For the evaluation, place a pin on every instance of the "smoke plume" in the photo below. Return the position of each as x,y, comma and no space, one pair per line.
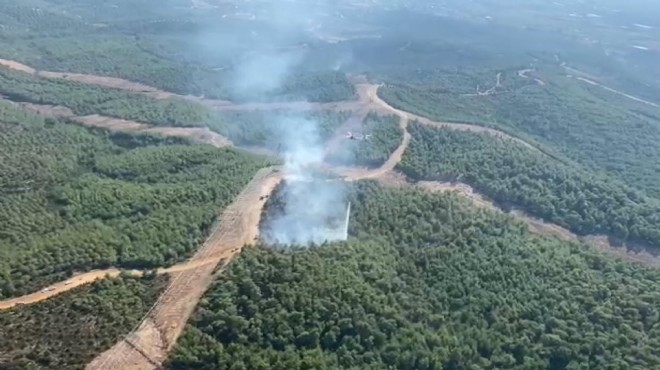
313,211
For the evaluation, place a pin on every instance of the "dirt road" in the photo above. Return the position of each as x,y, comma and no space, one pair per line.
524,73
147,346
89,277
592,80
639,100
197,134
367,100
371,91
136,87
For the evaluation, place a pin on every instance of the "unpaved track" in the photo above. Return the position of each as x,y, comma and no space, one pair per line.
524,73
639,100
89,277
198,134
147,346
371,91
367,100
136,87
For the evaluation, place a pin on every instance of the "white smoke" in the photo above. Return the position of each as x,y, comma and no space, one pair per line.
264,73
314,212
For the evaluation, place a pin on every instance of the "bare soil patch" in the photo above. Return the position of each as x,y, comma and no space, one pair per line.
17,66
148,345
110,82
48,110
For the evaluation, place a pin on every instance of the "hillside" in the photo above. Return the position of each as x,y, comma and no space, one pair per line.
573,119
75,199
428,282
66,332
501,173
513,175
169,46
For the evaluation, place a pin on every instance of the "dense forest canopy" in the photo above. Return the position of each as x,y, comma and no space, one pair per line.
426,282
68,331
84,99
575,120
512,174
136,41
272,128
75,199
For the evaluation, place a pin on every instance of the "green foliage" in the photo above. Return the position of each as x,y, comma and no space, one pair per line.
123,57
86,99
581,122
510,173
429,283
74,200
272,129
386,135
316,87
68,331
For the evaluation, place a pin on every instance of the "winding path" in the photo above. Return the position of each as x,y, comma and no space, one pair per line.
591,80
368,100
149,343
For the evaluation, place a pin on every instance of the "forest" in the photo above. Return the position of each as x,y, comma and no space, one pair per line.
75,199
513,175
147,44
68,331
385,136
426,281
571,119
86,99
272,128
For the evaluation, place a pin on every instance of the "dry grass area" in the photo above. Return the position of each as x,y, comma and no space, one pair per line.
625,251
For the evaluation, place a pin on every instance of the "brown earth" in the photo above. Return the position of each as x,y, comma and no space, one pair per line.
147,346
197,134
17,66
89,277
640,100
